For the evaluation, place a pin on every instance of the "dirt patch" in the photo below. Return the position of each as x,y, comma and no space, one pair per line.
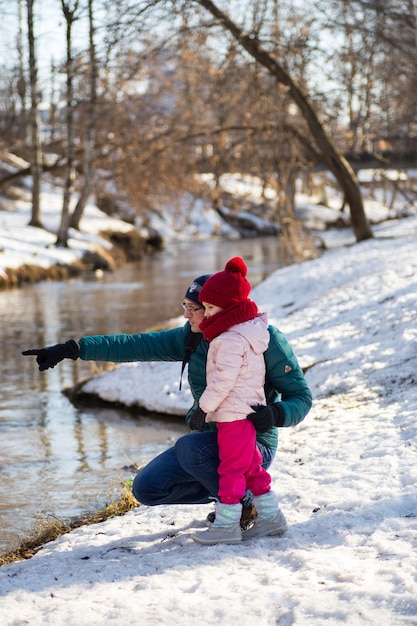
133,245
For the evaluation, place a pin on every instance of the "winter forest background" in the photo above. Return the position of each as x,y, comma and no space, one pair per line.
148,104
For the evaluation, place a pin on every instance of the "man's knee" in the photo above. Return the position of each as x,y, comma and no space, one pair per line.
140,490
182,444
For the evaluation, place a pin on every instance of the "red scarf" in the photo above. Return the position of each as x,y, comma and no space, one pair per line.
223,320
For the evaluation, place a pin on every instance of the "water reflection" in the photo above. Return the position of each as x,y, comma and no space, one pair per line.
56,459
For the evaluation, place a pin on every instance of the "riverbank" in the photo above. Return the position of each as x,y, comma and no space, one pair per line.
103,243
29,255
345,479
49,528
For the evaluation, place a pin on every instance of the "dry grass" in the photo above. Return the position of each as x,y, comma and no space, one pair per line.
50,528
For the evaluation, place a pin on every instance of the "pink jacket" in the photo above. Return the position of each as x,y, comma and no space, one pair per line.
236,371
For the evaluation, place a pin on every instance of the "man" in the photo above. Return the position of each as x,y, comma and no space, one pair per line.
187,473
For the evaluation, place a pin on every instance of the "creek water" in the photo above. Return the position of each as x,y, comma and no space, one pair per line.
58,460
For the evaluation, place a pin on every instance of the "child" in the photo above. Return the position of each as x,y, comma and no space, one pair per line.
238,337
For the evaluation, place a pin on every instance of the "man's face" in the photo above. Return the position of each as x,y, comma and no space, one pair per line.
194,313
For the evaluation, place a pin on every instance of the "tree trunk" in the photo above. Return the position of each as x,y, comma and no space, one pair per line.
91,127
36,161
21,82
336,163
62,239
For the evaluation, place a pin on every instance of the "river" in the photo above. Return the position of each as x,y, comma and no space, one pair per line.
57,460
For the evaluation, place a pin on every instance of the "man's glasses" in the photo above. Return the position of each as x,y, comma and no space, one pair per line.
191,309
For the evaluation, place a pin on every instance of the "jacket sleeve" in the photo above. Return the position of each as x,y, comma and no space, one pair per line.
285,380
164,345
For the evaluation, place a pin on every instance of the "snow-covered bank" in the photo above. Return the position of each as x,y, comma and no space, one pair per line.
21,244
346,479
24,246
188,219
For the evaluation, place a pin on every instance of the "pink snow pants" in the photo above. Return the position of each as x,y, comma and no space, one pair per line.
240,462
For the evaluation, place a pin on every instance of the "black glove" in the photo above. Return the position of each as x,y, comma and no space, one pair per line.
198,420
266,417
49,357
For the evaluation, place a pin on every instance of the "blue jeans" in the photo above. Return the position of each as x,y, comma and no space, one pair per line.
185,473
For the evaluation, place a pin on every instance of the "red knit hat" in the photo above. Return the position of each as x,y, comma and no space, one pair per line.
228,287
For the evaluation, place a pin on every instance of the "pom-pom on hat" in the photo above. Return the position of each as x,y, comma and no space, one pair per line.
195,288
228,287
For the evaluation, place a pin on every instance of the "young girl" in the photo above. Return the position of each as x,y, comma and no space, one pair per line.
238,337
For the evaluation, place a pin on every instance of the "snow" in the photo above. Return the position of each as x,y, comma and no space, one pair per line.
21,244
189,218
345,476
121,385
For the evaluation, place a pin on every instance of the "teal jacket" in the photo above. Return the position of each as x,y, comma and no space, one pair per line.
284,380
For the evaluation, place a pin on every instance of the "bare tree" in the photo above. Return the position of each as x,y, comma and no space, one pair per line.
220,101
336,163
374,66
36,159
21,80
89,146
69,10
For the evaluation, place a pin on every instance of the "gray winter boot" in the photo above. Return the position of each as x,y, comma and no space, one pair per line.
270,520
225,528
246,519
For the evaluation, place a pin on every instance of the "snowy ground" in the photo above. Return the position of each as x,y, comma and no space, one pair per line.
345,477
